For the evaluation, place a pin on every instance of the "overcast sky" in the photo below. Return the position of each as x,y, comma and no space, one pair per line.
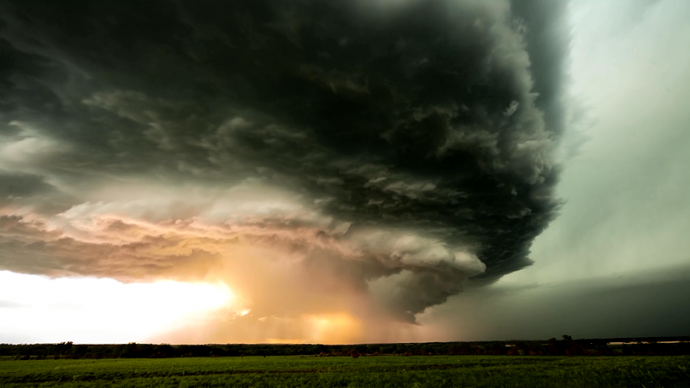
343,171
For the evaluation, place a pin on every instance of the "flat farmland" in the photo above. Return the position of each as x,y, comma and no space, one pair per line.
379,371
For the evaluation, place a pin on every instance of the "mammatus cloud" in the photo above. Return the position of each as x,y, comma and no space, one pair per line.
316,155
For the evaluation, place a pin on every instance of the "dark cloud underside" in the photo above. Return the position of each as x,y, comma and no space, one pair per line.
435,119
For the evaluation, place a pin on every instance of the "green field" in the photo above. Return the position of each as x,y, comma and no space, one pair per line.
382,371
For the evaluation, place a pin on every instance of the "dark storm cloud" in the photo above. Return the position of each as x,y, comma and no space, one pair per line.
431,119
22,185
548,45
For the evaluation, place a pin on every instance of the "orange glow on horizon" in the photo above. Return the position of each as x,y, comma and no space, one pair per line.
334,328
282,341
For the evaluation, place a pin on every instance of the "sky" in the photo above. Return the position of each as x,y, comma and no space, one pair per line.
343,172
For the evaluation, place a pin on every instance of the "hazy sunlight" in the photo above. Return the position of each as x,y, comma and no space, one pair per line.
90,310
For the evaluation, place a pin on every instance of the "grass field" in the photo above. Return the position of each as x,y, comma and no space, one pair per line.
382,371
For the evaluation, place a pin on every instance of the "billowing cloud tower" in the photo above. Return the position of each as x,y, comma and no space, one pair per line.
318,155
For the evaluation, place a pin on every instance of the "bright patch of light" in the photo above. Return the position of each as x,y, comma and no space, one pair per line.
333,328
88,310
285,341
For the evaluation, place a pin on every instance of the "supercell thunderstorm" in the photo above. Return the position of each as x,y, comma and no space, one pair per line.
396,151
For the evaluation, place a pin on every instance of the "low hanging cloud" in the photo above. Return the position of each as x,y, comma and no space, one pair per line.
336,153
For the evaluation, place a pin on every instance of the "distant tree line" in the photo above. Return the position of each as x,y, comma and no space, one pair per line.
553,347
